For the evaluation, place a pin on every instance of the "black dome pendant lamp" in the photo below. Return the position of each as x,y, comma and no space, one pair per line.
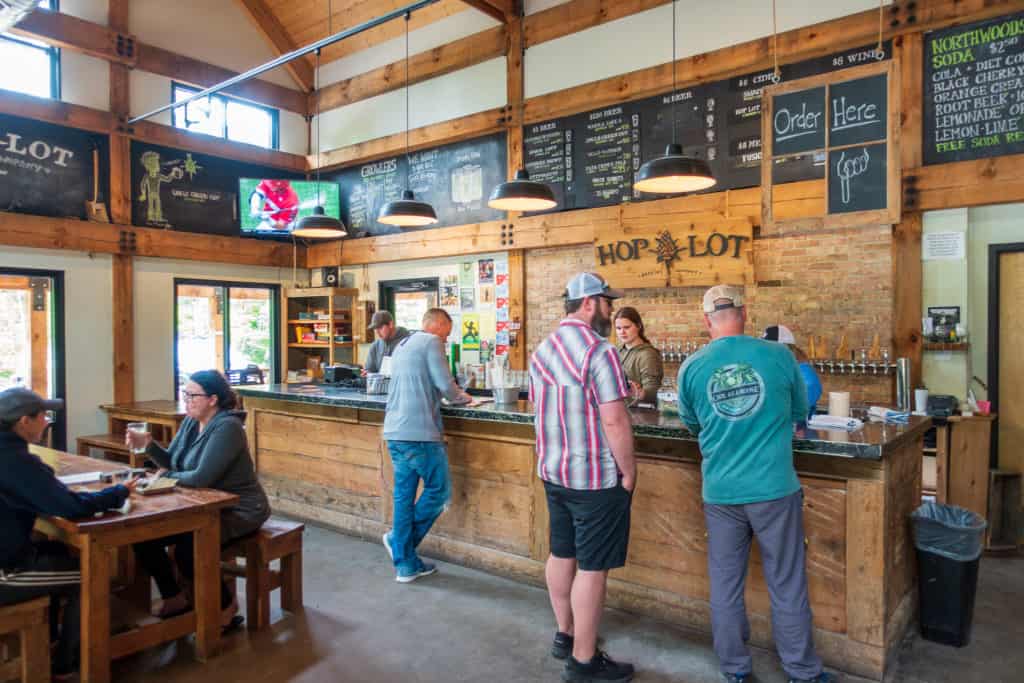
674,173
407,212
319,225
522,194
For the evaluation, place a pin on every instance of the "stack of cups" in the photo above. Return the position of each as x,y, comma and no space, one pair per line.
839,403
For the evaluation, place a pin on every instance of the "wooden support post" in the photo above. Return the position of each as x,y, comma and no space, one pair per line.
124,329
907,279
517,307
515,95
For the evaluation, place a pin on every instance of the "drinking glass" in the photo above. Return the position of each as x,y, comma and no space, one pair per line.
136,433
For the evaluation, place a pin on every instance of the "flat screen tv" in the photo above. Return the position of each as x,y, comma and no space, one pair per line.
273,206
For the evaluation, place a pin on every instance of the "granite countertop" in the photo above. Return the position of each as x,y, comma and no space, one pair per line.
870,442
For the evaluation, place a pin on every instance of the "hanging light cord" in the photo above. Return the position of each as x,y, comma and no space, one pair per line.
776,75
674,123
879,54
408,161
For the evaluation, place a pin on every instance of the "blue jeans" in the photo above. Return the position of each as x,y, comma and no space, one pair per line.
412,461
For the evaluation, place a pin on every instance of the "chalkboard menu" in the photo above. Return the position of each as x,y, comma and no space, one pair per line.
47,169
590,159
455,179
857,179
181,190
974,91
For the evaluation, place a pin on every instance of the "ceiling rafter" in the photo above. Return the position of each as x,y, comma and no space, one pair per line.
501,10
275,34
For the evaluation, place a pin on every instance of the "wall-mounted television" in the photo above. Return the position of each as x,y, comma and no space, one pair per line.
273,206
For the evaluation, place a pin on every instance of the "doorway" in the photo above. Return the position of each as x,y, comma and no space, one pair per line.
1006,363
408,300
32,339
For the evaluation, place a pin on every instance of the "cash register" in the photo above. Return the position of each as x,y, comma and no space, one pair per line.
344,375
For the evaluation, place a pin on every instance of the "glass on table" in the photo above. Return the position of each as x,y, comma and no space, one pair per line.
137,433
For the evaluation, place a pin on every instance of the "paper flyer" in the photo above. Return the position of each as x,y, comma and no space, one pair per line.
470,332
467,274
468,300
488,324
486,268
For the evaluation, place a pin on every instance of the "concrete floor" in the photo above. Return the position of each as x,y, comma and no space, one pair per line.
464,625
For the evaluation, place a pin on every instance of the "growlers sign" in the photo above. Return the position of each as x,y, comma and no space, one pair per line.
702,252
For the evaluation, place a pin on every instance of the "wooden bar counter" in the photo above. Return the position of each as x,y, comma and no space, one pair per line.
320,456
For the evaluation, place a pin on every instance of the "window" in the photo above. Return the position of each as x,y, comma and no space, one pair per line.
31,338
408,300
225,326
226,117
38,64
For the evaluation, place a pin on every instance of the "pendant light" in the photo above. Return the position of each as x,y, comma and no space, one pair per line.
319,225
407,212
522,194
674,173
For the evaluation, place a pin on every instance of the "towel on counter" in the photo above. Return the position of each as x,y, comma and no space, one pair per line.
883,414
850,424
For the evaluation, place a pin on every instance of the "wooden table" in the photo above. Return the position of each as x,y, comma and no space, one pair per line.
167,414
151,517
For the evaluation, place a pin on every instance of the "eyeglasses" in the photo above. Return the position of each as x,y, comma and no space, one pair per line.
186,396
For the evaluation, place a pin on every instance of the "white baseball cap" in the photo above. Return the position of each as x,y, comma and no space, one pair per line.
589,284
733,293
779,333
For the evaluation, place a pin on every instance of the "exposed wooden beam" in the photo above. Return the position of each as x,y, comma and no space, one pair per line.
272,30
42,232
97,121
120,199
577,15
997,180
124,328
907,283
441,60
118,12
903,17
72,33
502,10
463,128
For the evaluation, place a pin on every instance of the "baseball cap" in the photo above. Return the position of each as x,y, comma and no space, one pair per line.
589,284
18,402
779,333
731,292
381,318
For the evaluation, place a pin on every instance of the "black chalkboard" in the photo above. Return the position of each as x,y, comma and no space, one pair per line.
798,121
589,159
974,91
455,179
182,190
858,111
47,169
857,179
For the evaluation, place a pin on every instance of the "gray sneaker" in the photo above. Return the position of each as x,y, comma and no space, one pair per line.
739,678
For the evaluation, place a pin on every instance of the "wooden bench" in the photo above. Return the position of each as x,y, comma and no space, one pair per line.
113,446
278,539
30,620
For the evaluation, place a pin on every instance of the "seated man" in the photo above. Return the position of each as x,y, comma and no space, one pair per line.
29,488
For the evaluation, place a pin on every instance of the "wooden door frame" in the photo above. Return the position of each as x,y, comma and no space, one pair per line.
995,252
60,425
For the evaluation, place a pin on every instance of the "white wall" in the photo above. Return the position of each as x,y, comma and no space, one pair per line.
154,314
945,283
88,316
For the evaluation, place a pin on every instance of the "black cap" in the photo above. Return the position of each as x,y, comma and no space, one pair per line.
17,402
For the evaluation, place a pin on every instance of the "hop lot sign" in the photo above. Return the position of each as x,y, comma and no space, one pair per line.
698,252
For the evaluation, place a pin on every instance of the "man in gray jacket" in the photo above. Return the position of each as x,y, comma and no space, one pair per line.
388,337
413,431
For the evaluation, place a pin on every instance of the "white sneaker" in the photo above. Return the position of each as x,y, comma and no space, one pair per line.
426,570
386,538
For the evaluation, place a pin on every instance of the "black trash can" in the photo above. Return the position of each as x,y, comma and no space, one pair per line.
949,542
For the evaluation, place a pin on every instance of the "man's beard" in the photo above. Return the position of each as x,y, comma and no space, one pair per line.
601,324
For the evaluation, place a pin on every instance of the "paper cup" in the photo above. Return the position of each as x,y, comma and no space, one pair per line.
921,401
839,403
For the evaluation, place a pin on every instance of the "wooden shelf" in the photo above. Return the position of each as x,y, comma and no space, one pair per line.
309,345
946,346
309,322
930,451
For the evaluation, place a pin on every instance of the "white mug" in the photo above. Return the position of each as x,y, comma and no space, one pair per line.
921,401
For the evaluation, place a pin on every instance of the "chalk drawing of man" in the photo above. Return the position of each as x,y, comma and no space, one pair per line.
150,186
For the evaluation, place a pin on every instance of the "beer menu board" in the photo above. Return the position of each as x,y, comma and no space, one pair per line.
974,91
590,159
455,179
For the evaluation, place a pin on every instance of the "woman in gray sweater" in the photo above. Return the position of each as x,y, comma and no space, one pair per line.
209,451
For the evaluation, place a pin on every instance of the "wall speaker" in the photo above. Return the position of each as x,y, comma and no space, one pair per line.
330,276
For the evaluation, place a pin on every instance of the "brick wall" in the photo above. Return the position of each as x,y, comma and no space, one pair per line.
825,284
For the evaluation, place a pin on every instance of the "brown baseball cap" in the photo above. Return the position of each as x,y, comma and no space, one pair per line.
380,319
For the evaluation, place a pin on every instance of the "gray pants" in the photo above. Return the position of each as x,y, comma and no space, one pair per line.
779,527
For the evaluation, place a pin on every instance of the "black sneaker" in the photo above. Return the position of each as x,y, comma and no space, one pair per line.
739,678
600,668
823,677
561,646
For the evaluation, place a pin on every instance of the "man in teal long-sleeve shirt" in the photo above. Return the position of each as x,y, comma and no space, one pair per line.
741,396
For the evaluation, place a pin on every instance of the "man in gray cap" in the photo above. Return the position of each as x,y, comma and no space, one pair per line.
29,488
586,461
741,396
388,337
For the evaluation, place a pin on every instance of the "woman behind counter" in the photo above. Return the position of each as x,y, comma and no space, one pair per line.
209,451
640,360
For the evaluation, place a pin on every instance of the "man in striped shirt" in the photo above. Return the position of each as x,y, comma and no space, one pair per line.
585,458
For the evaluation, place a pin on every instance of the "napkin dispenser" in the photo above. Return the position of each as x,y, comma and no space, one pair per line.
942,405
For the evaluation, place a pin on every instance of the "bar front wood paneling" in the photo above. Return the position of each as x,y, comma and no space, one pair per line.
861,573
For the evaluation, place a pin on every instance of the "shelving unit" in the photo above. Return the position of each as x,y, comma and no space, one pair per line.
946,346
318,328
